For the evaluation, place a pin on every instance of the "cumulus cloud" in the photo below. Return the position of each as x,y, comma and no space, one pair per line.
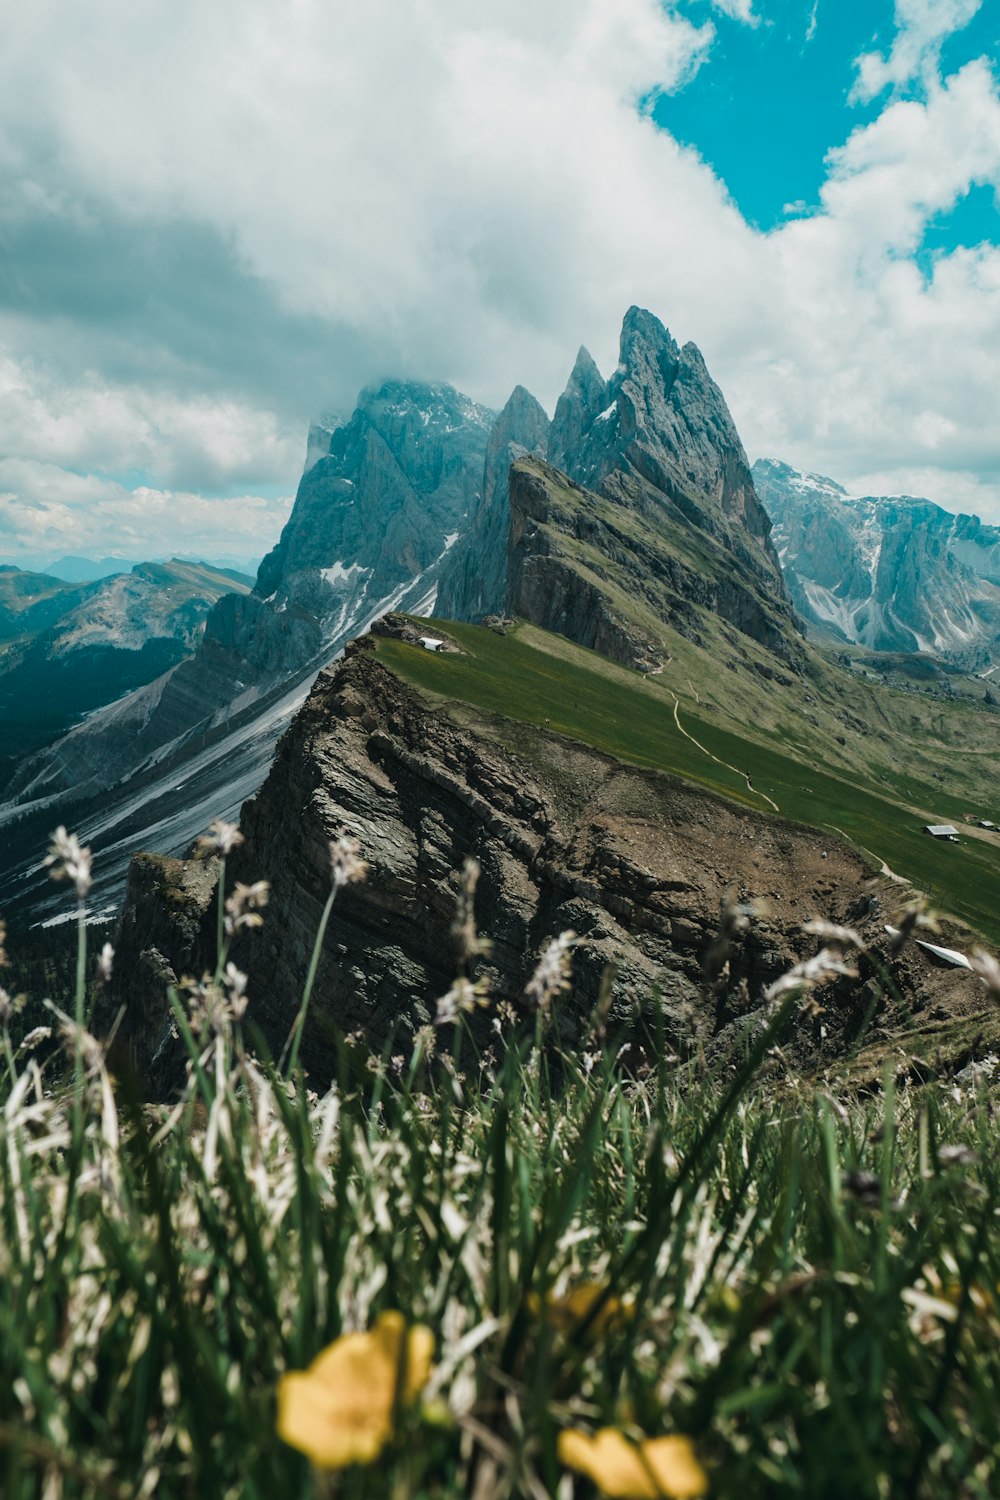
222,218
46,510
923,26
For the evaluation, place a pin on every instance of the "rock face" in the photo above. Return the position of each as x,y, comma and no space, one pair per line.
475,580
648,521
634,862
616,572
897,574
657,442
373,523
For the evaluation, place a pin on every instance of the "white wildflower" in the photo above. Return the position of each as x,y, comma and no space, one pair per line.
463,924
236,988
835,935
105,963
986,966
823,966
243,907
462,999
35,1037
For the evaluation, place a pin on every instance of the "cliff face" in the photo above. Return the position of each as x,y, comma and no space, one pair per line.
656,444
893,574
618,571
475,578
384,499
634,862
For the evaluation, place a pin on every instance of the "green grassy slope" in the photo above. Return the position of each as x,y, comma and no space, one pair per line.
534,678
892,741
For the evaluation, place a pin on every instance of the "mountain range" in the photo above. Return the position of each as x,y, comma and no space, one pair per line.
642,683
894,574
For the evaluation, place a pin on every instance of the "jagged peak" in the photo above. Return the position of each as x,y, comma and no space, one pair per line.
643,331
400,397
585,374
521,400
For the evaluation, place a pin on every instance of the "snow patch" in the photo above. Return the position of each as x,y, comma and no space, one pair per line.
338,574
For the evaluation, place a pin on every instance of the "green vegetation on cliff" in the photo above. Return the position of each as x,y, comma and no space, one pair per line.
532,677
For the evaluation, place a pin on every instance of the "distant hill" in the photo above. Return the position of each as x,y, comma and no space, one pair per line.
67,649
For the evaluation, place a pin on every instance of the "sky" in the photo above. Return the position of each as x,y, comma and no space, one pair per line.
217,221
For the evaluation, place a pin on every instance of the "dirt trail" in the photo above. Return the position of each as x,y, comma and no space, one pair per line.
735,769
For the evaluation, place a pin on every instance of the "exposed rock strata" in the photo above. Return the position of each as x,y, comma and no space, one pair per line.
579,563
636,863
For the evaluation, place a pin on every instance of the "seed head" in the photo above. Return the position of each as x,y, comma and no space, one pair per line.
825,965
463,924
552,974
244,905
986,966
221,839
105,963
236,988
346,864
835,935
461,999
67,861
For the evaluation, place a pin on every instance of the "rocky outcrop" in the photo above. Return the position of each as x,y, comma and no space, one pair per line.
656,441
635,863
594,567
893,574
663,418
165,933
475,581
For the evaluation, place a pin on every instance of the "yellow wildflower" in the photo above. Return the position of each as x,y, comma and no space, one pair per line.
571,1310
654,1469
340,1410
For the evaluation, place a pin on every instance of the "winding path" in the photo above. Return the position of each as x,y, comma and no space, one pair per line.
718,762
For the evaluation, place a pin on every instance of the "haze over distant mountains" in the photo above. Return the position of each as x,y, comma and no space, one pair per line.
75,569
892,573
68,648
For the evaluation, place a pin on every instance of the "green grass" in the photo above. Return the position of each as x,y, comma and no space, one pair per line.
804,1289
534,679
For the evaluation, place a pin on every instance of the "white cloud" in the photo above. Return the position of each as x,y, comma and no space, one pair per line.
463,194
45,509
923,26
114,428
739,10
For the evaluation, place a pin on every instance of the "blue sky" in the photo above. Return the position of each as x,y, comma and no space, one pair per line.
468,193
776,96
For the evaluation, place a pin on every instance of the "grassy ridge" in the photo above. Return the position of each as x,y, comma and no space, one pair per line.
574,692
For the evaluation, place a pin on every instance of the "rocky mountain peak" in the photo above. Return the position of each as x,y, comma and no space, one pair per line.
579,406
648,357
